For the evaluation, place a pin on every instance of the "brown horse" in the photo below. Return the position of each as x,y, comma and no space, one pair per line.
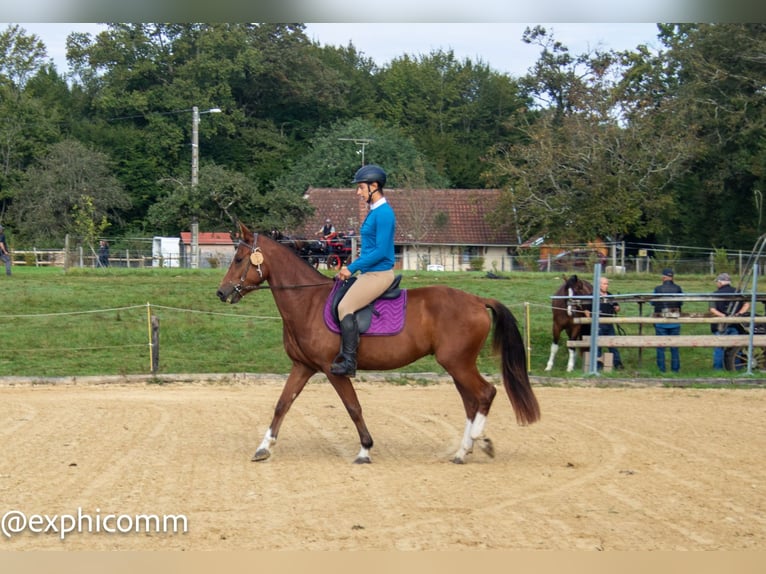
448,323
565,309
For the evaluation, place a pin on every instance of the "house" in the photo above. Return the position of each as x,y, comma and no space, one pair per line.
216,249
442,228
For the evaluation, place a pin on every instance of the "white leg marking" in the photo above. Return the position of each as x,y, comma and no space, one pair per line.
554,350
571,362
267,441
363,456
466,444
477,428
264,449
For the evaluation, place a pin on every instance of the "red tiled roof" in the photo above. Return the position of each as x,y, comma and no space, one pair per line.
432,216
207,238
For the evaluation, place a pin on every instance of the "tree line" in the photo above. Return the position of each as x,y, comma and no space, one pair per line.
662,145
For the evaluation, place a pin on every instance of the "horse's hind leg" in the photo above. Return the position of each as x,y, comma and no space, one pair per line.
295,383
477,395
347,394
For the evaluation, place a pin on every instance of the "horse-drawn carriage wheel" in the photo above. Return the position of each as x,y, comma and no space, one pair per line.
334,262
735,358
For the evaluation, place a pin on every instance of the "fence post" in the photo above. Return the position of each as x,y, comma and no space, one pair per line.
155,344
527,335
753,302
151,336
594,316
66,252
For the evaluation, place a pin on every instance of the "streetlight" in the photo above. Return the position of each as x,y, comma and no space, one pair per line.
195,179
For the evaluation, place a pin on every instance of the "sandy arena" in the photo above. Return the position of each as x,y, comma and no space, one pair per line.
606,468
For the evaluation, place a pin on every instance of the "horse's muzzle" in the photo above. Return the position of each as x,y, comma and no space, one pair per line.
228,294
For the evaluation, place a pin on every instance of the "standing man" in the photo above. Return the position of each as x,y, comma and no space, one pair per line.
103,254
375,264
5,254
667,309
607,308
722,308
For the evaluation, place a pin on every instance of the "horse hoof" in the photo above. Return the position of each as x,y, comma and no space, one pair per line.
362,460
486,445
458,460
260,454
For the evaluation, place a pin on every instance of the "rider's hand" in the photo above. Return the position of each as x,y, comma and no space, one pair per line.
343,273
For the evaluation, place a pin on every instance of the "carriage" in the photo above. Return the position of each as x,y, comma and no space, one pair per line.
334,252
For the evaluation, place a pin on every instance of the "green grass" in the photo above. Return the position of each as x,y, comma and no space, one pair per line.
94,322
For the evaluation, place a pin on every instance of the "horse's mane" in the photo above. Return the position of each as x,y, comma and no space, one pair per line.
291,247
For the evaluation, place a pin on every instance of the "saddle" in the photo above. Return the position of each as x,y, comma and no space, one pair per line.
384,316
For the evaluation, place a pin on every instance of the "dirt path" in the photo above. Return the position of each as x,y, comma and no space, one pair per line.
611,469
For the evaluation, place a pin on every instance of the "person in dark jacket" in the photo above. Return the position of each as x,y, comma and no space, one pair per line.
607,308
5,255
722,308
668,309
103,254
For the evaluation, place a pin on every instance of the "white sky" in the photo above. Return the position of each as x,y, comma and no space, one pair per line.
497,45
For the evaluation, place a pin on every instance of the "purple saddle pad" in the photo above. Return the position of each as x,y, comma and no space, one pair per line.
387,318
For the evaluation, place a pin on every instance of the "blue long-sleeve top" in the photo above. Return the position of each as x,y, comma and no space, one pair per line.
377,234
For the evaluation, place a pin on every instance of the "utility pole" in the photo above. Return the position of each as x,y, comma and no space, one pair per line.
362,142
195,180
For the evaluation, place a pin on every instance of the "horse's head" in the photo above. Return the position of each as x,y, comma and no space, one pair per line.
576,286
248,269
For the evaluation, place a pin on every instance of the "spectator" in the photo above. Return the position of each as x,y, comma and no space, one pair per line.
722,308
607,308
103,254
666,310
5,254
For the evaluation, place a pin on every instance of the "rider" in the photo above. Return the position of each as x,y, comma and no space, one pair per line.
375,264
327,231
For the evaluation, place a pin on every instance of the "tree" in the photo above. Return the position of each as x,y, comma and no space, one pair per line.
28,123
454,111
21,55
70,178
335,156
580,170
715,75
222,197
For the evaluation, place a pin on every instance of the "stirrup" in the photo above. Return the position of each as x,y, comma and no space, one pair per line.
343,365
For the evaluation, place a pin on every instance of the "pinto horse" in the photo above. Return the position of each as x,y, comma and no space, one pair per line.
448,323
564,313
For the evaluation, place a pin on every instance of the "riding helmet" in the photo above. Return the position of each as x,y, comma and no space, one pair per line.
370,173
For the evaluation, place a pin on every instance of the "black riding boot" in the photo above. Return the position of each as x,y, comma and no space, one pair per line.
345,362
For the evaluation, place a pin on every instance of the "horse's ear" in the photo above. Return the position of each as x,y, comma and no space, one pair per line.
244,230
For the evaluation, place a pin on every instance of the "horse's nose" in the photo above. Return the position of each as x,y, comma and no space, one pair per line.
221,295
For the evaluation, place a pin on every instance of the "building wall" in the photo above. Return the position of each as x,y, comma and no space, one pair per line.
455,258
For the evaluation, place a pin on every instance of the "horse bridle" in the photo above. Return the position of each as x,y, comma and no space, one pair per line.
240,287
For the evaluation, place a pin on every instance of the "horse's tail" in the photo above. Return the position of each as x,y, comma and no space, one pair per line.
508,342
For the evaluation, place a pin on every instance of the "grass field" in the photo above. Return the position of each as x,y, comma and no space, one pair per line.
95,322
